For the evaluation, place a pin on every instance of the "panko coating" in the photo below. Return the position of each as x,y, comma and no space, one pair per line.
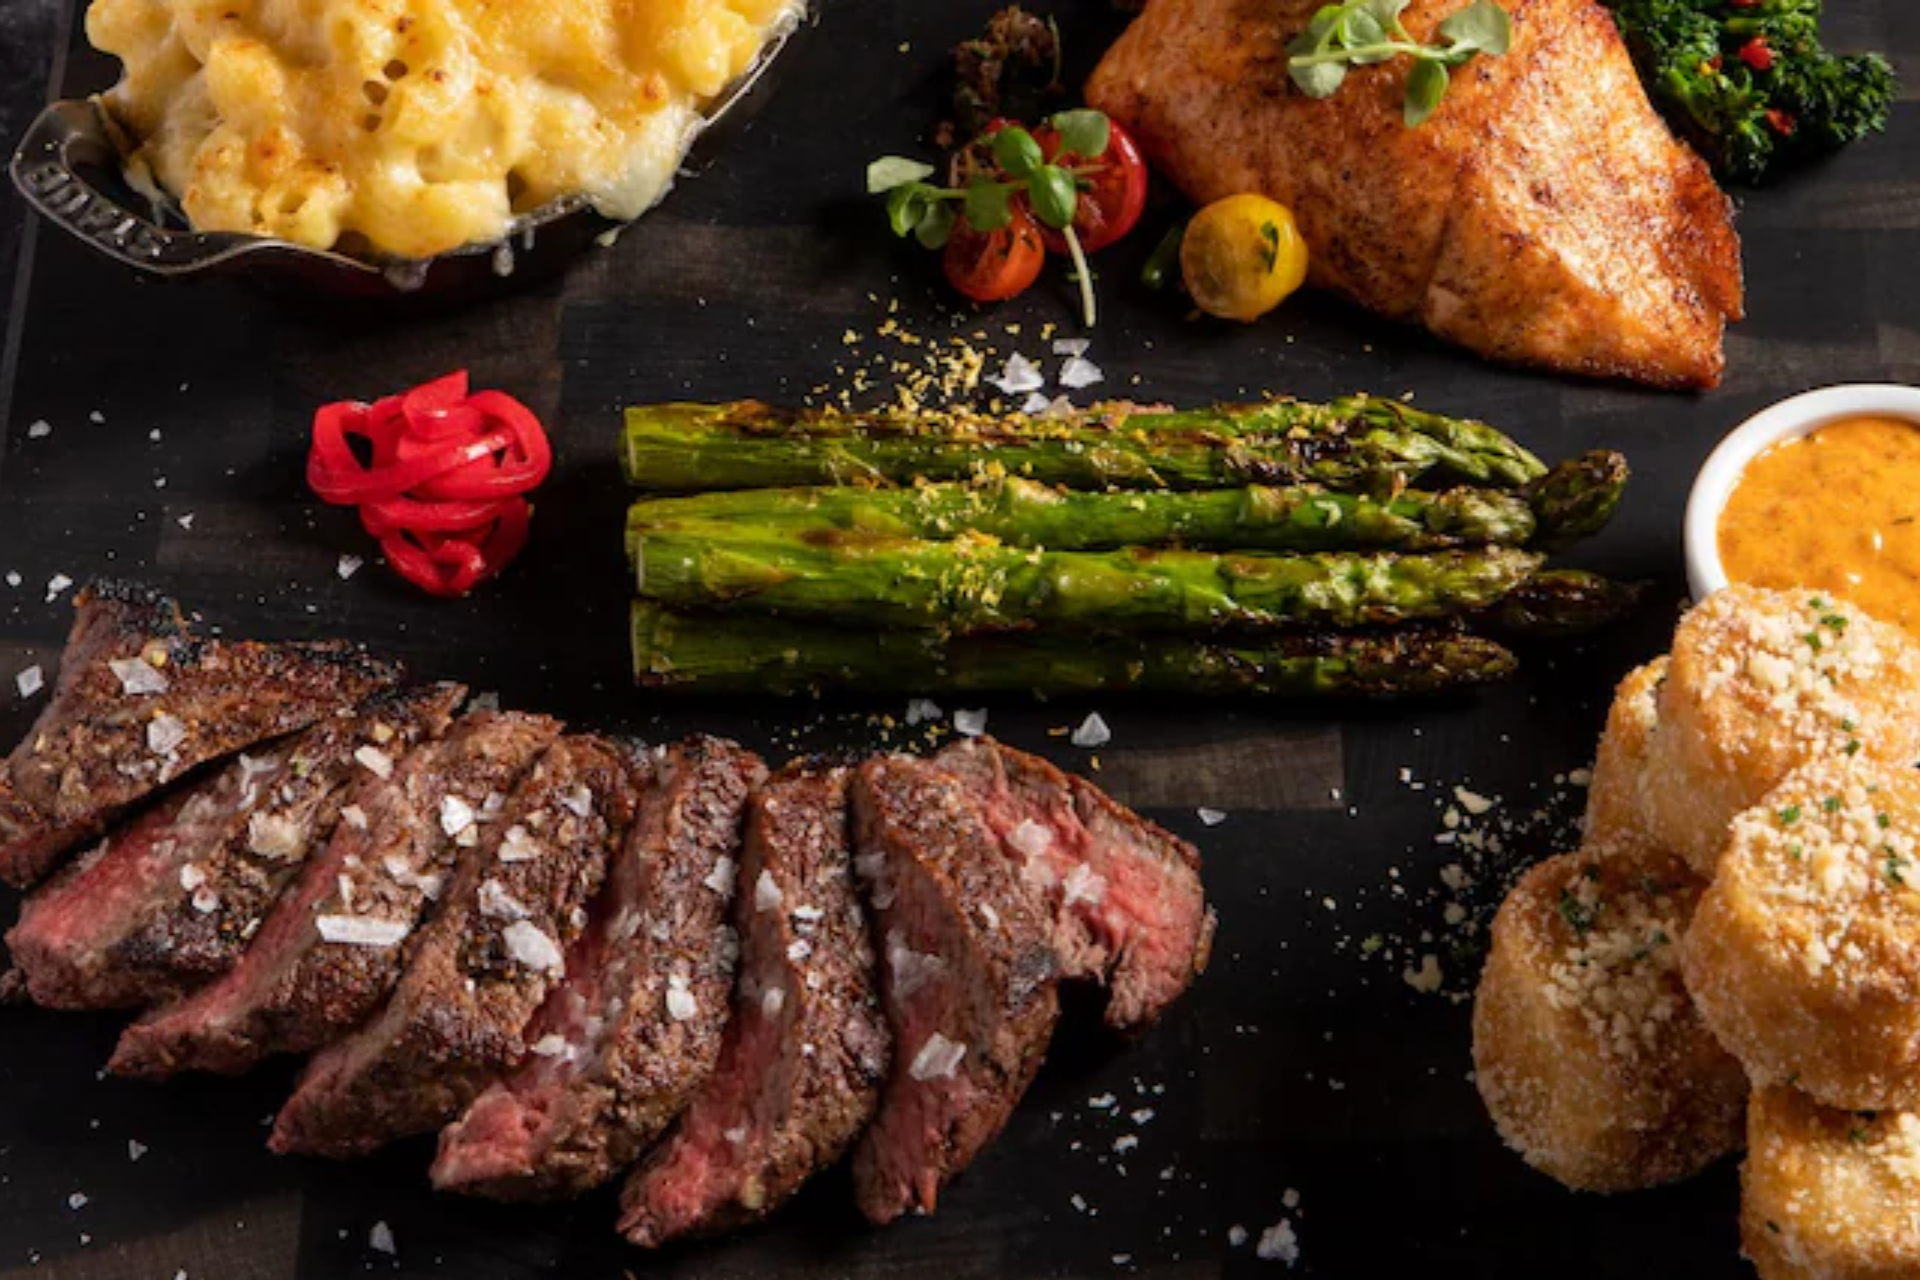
1613,816
1829,1195
1804,956
1586,1049
1758,683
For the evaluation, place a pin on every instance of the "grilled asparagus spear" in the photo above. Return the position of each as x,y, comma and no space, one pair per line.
1577,498
1355,444
973,585
1025,514
1559,602
704,654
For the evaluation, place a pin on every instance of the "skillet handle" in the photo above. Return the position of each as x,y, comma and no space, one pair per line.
48,171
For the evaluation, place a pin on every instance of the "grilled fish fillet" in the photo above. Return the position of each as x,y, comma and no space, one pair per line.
1544,215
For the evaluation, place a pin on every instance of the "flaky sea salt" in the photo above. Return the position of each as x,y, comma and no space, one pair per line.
549,1046
1084,884
1211,817
456,815
721,879
354,816
1071,346
30,681
766,892
533,948
910,970
921,710
494,900
375,761
1278,1244
380,1239
138,677
578,802
165,733
681,1006
1030,838
275,836
938,1059
348,566
518,846
970,723
39,429
1078,372
362,931
1035,403
58,583
1020,375
1093,732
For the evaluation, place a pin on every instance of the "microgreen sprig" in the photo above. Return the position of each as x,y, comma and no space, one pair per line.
1359,33
928,211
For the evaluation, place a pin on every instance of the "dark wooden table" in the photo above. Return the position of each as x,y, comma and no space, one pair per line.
1303,1079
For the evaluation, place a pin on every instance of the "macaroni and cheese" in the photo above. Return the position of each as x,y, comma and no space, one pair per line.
411,127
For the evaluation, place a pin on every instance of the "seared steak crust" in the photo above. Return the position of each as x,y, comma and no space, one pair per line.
480,968
632,1034
336,943
170,901
1124,894
967,982
141,700
800,1071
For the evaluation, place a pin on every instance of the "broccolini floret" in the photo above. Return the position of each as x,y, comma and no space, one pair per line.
1749,83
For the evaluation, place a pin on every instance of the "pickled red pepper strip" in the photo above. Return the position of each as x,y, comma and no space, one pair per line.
439,475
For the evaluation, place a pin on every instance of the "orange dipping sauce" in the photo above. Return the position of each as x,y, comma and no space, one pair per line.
1838,511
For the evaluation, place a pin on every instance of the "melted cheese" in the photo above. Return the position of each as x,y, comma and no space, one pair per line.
413,127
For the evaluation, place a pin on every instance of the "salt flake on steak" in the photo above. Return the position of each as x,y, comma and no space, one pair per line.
1085,885
361,931
910,969
533,948
1093,732
938,1059
456,815
274,836
766,892
579,802
681,1006
165,733
721,879
517,846
495,901
375,761
138,677
1030,838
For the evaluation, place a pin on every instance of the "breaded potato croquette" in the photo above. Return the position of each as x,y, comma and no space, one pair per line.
1804,957
1829,1195
1614,818
1758,683
1586,1049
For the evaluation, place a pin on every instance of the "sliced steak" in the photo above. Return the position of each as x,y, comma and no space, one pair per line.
170,901
336,942
967,984
800,1071
1124,895
142,699
622,1046
480,968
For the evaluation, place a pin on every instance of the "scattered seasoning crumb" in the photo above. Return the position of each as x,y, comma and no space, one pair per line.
135,1150
1018,375
13,577
97,418
1037,402
30,681
1211,817
1071,346
971,723
922,710
380,1239
39,429
185,521
1278,1243
1236,1235
1427,978
1473,802
1093,732
1290,1198
348,566
56,584
78,1200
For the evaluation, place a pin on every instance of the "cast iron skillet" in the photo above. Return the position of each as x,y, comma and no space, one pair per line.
69,169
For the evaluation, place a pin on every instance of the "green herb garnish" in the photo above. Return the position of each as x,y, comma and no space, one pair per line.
1579,914
1359,33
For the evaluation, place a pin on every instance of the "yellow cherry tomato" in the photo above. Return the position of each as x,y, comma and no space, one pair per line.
1242,256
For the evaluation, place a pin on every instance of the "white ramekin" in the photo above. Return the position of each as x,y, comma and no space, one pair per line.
1788,420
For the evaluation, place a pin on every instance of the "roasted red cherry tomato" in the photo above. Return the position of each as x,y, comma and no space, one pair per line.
1117,196
993,266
